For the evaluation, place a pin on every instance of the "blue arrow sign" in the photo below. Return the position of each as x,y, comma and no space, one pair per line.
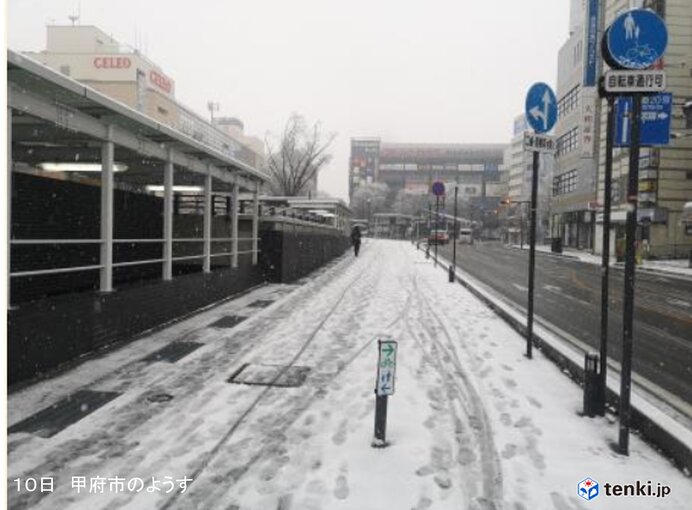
635,40
654,125
541,108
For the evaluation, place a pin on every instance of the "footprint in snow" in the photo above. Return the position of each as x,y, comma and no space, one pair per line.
341,490
423,503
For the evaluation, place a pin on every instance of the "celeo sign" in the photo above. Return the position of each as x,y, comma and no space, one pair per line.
635,40
160,81
112,63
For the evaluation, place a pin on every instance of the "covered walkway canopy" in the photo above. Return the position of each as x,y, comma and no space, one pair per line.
60,128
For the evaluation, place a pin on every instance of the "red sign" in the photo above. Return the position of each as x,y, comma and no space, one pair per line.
112,62
160,81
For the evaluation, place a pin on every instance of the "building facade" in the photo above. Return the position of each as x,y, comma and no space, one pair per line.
89,55
665,173
519,168
411,168
573,204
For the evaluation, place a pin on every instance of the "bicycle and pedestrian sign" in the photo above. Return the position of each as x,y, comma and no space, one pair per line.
386,367
635,40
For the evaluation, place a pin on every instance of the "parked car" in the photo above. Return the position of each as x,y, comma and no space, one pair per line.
438,237
465,236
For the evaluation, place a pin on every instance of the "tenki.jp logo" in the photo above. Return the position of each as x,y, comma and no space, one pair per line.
588,489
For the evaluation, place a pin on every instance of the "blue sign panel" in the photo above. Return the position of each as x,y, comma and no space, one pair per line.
541,108
636,40
654,125
591,54
438,188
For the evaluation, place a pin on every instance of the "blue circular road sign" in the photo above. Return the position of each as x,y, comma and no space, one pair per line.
635,40
541,108
438,188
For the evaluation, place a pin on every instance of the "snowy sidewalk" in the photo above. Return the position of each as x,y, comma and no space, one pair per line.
473,423
669,267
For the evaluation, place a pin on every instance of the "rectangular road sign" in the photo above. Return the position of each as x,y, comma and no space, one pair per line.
654,126
539,143
629,82
386,367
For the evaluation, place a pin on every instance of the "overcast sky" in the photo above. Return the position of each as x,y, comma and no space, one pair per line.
450,71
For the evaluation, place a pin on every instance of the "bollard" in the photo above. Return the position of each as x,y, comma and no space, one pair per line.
451,274
427,251
690,262
591,384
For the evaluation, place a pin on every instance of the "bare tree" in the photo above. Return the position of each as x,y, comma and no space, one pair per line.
297,156
408,202
369,199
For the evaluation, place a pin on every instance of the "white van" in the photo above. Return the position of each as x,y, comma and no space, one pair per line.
465,236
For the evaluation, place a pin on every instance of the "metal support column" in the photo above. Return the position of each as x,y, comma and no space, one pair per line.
605,259
628,298
234,226
9,205
168,220
106,260
255,224
532,254
207,223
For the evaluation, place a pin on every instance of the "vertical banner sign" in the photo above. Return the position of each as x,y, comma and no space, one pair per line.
589,93
589,96
591,37
386,367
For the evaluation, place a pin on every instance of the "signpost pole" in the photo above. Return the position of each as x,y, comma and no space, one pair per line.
521,225
532,253
628,301
453,268
427,244
380,418
437,224
605,259
384,386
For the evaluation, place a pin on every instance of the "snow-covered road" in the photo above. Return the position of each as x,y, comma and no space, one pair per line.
473,423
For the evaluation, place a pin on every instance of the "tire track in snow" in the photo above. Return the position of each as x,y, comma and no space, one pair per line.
449,363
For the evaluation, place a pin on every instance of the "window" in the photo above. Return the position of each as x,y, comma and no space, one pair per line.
568,142
565,183
568,103
161,110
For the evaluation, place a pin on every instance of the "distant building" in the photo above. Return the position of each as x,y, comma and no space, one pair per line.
519,168
89,55
415,166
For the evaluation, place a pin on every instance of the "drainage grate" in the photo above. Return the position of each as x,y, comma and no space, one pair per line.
268,375
173,352
261,303
62,414
228,321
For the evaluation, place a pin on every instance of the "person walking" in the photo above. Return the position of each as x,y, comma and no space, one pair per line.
355,239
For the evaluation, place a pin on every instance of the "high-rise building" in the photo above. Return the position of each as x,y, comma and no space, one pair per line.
574,181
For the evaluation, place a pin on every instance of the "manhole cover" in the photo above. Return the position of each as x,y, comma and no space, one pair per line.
261,303
62,414
173,352
159,397
270,375
228,321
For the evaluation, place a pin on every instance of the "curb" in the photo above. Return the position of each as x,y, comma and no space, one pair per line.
643,414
